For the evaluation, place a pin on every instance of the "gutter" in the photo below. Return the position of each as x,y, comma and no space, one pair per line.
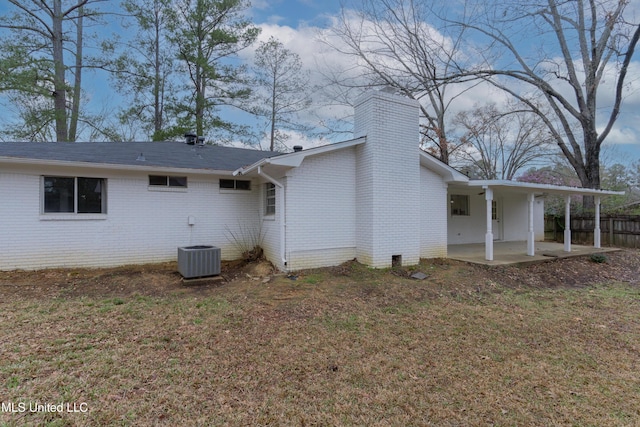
258,165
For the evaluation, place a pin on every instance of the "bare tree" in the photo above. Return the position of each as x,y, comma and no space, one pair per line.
554,56
282,89
394,45
500,143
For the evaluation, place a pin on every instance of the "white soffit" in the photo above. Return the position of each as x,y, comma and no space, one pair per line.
528,187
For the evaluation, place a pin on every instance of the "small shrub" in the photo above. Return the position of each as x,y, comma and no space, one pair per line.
247,239
598,258
253,254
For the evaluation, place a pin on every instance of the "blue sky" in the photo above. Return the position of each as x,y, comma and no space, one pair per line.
294,13
295,21
297,24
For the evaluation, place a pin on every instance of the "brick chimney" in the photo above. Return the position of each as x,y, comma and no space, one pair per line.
387,180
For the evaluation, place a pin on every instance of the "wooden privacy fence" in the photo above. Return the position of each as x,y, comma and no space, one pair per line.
618,230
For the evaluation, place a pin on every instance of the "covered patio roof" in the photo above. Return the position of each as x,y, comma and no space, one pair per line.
539,189
532,191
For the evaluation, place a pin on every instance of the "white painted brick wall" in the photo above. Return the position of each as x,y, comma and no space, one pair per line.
387,180
472,228
140,226
321,211
538,219
513,217
433,215
516,214
272,225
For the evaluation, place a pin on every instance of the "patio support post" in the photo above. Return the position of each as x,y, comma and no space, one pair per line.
567,223
531,247
488,239
596,230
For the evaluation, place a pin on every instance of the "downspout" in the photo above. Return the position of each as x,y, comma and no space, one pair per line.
283,217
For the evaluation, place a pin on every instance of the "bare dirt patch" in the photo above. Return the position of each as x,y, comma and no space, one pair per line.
442,275
621,266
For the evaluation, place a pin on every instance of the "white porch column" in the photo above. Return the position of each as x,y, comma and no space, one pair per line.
488,239
531,246
567,223
596,230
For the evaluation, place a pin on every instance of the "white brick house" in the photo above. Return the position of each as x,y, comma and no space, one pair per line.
366,198
376,198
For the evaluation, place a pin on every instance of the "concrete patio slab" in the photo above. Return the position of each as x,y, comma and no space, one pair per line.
505,253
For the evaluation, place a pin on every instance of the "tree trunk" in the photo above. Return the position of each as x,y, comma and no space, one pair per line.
77,83
157,83
200,100
273,113
59,86
201,81
444,150
590,176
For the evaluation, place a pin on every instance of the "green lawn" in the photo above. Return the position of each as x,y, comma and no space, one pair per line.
366,348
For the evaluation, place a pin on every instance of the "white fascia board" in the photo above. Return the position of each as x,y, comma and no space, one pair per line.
294,160
247,169
541,188
112,166
449,174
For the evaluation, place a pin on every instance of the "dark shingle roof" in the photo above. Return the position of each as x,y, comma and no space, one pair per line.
158,154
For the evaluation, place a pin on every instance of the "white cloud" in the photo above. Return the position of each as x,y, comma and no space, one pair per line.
319,57
263,4
622,135
315,56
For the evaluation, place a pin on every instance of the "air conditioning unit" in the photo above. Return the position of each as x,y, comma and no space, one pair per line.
199,261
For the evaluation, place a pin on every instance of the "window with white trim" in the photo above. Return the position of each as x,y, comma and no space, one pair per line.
270,199
459,205
62,194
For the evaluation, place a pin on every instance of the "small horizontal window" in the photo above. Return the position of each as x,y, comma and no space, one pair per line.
177,181
235,184
168,181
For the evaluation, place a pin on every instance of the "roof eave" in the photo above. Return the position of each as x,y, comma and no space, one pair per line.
295,159
248,169
112,166
449,174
